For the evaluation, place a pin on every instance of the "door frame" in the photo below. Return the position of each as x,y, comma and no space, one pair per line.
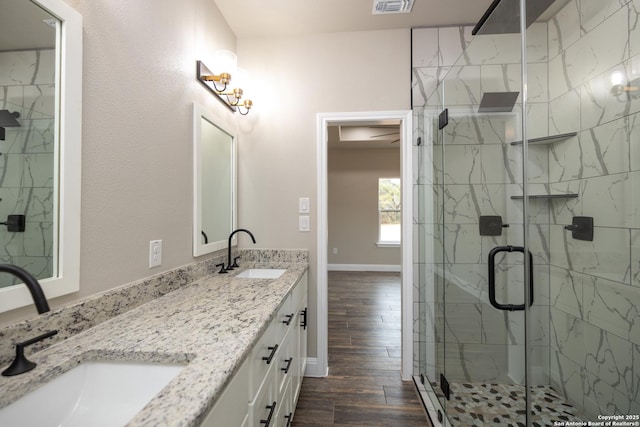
320,366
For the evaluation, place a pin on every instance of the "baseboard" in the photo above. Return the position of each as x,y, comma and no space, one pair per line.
364,267
314,369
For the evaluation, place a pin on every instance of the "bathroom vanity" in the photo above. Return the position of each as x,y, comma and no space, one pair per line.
242,342
271,376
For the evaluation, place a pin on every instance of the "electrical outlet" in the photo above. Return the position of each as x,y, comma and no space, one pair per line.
335,251
155,253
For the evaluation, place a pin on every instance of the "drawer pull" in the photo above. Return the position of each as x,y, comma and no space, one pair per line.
271,409
304,318
289,319
269,358
286,370
288,418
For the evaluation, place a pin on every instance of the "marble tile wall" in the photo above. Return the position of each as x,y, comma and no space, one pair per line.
27,160
594,288
586,313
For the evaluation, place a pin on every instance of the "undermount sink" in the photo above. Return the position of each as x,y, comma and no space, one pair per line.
262,273
97,394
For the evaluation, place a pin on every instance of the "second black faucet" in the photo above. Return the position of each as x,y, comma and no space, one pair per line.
232,264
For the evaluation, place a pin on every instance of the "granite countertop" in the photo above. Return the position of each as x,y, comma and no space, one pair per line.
210,324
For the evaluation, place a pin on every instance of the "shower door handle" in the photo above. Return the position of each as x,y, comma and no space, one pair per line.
492,278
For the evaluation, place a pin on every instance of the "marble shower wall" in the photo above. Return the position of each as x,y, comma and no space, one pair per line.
595,286
587,293
27,160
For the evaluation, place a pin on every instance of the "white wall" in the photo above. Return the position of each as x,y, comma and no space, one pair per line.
298,78
353,205
139,85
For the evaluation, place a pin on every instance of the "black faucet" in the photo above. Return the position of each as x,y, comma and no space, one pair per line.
229,261
32,284
20,364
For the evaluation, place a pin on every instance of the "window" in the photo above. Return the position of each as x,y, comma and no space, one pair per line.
389,211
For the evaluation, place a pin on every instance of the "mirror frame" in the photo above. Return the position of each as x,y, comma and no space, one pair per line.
200,248
68,158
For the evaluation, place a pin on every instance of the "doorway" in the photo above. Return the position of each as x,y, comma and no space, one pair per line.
324,122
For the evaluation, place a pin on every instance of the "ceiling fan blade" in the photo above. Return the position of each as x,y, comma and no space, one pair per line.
384,134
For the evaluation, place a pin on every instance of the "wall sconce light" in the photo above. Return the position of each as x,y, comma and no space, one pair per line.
7,120
218,82
631,89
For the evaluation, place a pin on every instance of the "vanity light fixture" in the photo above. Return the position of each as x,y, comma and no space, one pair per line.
225,65
218,82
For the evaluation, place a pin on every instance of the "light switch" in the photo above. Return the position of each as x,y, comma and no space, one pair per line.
303,223
303,205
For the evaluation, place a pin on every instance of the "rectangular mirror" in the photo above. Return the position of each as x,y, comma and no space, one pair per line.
40,149
214,183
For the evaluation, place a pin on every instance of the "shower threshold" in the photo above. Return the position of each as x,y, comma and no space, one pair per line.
476,404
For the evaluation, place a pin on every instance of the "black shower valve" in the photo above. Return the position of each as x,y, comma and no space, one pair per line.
15,223
581,228
491,225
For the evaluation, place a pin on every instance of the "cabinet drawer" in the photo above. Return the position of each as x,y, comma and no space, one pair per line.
263,356
284,415
262,411
284,318
287,357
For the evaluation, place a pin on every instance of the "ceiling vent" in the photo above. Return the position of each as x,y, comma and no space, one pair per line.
382,7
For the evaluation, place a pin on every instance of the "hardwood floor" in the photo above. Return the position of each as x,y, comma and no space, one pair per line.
364,386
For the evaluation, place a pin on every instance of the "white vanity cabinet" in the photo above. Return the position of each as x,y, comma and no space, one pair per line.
265,390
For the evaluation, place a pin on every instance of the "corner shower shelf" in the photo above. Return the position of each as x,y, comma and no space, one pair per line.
548,196
548,139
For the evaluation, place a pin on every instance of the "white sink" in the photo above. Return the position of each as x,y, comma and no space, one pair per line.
96,394
262,273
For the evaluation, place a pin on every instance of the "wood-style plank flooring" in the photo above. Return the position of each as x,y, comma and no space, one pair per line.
364,386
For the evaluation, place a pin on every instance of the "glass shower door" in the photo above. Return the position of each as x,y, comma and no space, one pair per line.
484,292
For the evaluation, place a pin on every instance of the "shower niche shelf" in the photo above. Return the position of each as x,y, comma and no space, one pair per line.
547,196
548,139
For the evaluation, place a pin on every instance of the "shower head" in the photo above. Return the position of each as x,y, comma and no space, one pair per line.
503,16
498,102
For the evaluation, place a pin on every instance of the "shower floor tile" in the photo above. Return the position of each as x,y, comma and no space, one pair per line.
503,404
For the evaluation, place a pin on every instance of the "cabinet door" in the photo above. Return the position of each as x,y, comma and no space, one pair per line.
302,335
232,407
